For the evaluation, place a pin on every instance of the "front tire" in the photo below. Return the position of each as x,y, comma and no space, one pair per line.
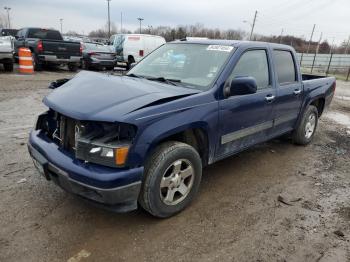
172,178
306,129
131,60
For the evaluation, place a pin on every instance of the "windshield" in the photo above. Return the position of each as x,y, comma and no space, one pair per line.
194,65
118,43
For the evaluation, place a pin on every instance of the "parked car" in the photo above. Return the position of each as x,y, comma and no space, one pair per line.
143,138
8,32
98,56
131,48
76,38
48,48
6,52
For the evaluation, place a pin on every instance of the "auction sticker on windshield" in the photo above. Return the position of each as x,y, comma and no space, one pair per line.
223,48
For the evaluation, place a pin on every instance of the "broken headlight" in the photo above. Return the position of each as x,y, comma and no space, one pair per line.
103,143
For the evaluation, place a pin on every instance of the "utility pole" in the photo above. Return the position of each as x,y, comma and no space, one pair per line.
8,16
331,49
312,34
281,36
140,19
253,25
318,44
316,52
347,46
61,21
109,21
121,22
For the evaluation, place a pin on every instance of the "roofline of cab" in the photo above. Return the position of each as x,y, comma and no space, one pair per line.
234,43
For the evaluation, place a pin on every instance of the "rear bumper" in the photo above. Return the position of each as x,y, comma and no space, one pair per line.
55,59
97,62
111,188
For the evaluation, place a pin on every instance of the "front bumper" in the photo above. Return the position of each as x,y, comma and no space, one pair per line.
111,188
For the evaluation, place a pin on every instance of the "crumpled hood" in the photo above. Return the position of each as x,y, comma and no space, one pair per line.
103,97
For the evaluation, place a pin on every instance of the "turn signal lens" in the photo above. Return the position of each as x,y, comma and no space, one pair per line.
120,155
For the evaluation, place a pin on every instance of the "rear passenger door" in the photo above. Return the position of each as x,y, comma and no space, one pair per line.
245,119
289,91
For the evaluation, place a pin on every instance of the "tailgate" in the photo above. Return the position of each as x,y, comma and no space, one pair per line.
63,49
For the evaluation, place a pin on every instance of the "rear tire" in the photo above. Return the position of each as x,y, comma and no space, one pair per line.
85,65
171,180
36,65
306,129
73,67
8,67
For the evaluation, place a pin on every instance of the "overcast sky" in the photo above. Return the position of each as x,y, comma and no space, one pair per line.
296,17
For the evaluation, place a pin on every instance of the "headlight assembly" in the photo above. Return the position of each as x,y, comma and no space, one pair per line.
101,143
105,144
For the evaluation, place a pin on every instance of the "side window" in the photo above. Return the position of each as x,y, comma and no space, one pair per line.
253,63
285,67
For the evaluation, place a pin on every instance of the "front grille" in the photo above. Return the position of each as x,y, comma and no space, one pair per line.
64,134
68,139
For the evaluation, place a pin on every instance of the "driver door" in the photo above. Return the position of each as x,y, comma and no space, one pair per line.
245,119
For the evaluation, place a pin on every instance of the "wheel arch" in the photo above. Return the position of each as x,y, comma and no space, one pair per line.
195,135
319,103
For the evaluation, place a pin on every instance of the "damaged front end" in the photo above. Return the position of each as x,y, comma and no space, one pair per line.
103,143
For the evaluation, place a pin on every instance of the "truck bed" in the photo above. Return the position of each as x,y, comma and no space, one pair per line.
317,80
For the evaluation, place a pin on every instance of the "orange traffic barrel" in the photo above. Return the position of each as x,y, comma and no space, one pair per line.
25,61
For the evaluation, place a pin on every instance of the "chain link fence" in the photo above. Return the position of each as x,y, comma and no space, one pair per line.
326,64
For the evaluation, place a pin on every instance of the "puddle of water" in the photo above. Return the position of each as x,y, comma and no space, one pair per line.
340,118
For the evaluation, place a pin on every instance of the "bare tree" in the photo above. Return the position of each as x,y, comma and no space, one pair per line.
3,21
103,32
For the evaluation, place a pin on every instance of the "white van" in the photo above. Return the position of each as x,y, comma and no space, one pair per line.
131,48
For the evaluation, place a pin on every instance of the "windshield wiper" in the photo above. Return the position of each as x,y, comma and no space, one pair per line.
136,76
165,80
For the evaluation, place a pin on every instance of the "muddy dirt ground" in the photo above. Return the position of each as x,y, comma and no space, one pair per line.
239,214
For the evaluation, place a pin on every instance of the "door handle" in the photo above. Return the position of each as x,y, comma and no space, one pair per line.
297,92
270,98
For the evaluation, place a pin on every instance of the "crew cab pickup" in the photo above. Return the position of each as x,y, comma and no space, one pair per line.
48,47
142,139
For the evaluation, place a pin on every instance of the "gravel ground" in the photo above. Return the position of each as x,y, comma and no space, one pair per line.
274,202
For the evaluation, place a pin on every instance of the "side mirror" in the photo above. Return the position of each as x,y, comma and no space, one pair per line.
244,85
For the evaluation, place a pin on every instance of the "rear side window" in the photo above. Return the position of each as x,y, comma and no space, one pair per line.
285,67
253,63
44,34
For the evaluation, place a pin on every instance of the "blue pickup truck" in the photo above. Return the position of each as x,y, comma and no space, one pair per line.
142,139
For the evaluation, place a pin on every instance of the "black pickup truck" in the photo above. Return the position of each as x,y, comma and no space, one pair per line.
48,47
